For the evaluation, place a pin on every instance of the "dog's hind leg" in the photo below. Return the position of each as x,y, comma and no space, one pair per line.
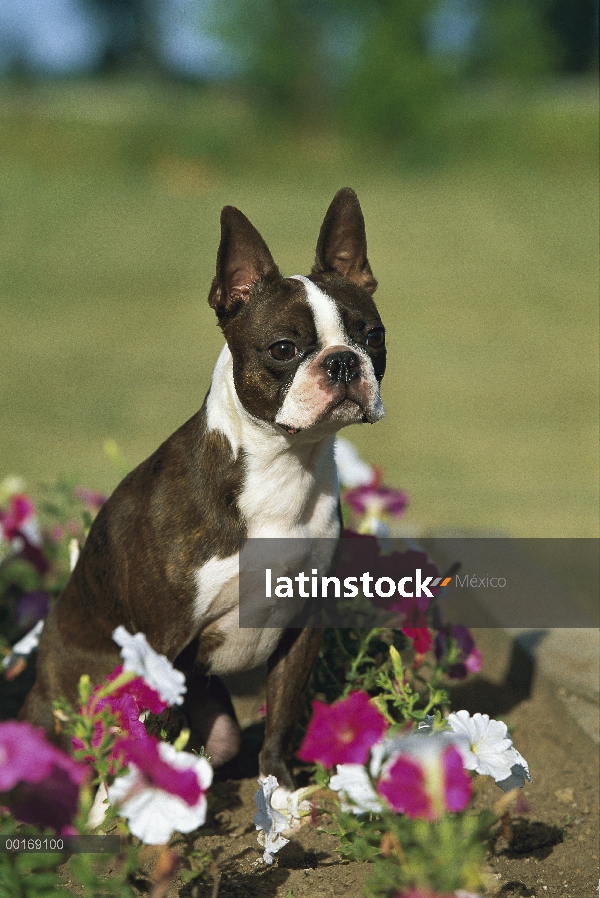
211,716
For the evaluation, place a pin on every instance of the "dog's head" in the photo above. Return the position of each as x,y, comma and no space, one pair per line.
308,352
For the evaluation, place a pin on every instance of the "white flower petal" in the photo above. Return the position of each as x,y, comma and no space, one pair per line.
153,815
156,670
352,470
357,794
270,821
491,751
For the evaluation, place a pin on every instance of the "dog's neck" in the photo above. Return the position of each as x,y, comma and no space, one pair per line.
289,490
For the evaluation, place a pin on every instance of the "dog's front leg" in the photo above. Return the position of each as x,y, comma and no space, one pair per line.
289,669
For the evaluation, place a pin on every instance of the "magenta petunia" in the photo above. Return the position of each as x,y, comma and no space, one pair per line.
343,733
384,499
25,754
54,801
21,509
92,498
420,636
457,782
470,660
404,788
145,755
146,698
425,778
43,781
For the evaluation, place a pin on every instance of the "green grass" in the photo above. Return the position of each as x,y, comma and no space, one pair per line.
488,269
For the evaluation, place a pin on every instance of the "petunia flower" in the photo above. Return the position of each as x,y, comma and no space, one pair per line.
271,822
25,754
156,794
425,778
490,751
352,470
92,498
126,715
42,780
20,514
375,500
355,788
156,670
344,732
145,697
420,636
54,801
470,660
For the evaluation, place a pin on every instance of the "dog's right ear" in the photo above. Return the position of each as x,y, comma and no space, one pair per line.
242,260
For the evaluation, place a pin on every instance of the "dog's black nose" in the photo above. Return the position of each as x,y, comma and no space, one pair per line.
342,366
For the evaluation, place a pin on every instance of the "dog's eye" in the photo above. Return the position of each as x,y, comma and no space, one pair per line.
283,351
376,338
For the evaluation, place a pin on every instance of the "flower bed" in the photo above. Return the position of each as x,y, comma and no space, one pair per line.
393,777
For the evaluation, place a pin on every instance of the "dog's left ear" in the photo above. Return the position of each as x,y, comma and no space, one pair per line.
342,243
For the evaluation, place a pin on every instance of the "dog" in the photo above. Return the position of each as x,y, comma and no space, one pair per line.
303,358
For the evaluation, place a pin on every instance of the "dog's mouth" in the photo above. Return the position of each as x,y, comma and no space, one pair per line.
339,406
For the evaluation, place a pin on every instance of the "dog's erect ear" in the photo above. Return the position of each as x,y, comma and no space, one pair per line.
243,259
342,243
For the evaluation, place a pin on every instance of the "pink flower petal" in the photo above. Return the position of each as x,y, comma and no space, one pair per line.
343,733
457,782
403,787
25,754
145,755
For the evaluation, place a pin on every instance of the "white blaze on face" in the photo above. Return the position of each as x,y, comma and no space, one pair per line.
313,393
328,323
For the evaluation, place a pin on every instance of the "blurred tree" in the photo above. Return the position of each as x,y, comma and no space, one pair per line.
513,40
371,63
396,83
131,33
575,24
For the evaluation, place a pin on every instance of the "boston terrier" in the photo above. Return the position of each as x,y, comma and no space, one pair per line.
304,357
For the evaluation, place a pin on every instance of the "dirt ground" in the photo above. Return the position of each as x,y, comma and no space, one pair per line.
554,847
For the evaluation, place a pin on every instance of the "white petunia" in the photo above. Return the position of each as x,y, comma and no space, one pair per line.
352,470
357,794
490,750
269,821
153,814
156,670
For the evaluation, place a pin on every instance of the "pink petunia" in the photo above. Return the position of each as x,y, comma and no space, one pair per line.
420,636
25,754
146,698
426,779
146,797
92,498
344,732
457,783
470,660
404,788
145,755
54,801
374,498
43,781
21,509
